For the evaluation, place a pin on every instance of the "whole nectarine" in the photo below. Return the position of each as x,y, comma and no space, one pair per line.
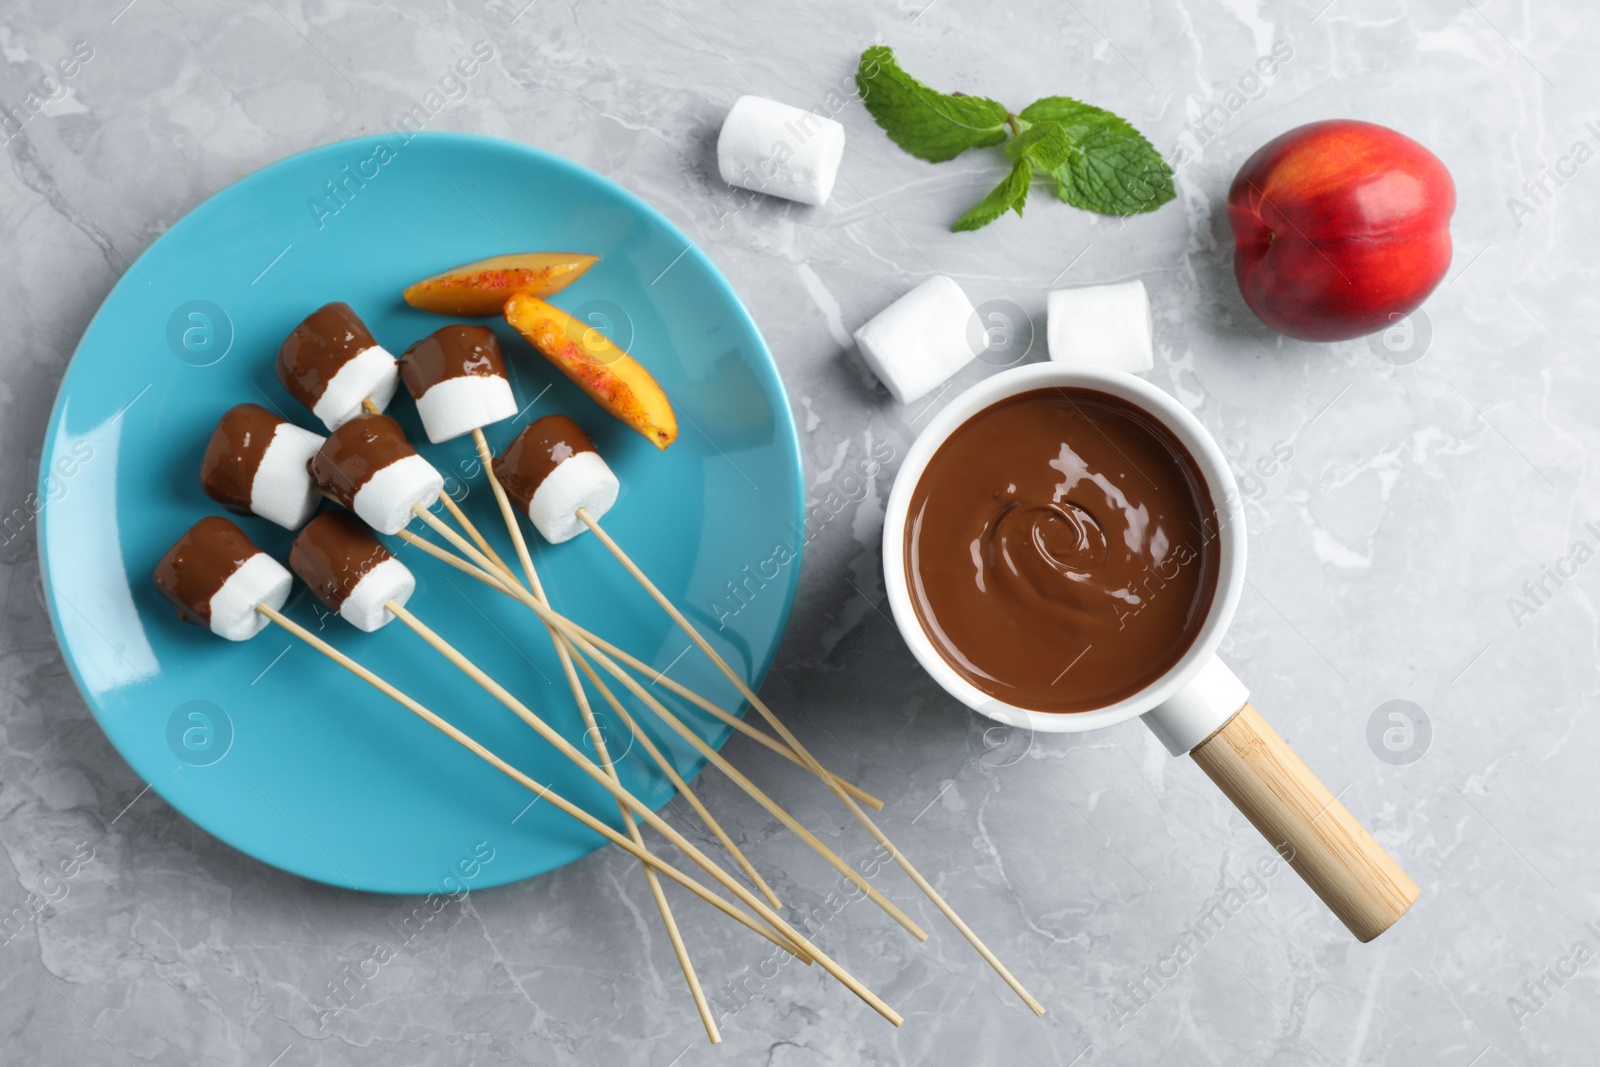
1341,228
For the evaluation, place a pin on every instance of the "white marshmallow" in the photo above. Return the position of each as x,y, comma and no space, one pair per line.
386,501
920,340
283,490
365,607
1102,326
583,480
371,373
259,580
460,405
773,148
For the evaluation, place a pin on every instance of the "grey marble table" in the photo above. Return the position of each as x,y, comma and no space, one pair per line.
1423,488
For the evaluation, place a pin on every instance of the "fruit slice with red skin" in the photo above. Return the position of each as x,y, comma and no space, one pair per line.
482,288
1341,228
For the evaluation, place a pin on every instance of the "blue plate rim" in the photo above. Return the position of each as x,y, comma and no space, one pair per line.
216,201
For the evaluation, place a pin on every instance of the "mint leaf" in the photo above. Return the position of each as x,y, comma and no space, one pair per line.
1011,194
1045,144
929,124
1109,175
1065,110
1098,161
1111,168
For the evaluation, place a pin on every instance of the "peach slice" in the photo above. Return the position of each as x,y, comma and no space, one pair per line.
615,380
482,288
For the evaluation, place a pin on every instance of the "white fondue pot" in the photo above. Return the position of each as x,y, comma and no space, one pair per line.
1198,707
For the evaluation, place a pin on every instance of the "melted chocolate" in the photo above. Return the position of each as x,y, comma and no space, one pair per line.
205,557
356,451
541,448
1060,550
333,553
330,337
453,352
228,470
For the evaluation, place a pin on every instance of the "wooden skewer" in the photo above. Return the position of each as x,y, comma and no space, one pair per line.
543,791
749,899
761,736
656,754
667,768
783,731
486,458
522,711
565,651
739,779
711,754
644,738
472,531
601,749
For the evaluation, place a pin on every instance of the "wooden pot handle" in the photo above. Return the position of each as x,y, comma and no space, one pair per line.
1308,826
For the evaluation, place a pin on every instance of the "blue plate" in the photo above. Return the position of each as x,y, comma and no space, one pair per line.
265,743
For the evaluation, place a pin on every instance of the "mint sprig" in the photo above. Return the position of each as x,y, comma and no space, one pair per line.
1096,159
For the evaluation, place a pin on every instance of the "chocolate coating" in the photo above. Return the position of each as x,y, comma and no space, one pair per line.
356,451
192,571
1061,550
539,449
333,553
314,351
451,352
228,470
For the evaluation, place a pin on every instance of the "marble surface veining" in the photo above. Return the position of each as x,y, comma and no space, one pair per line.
1422,489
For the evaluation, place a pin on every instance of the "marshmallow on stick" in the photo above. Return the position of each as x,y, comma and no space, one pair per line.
368,466
332,365
551,471
216,578
916,343
457,376
350,570
768,147
256,465
1102,326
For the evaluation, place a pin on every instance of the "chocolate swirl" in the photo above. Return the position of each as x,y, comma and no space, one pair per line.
1060,550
